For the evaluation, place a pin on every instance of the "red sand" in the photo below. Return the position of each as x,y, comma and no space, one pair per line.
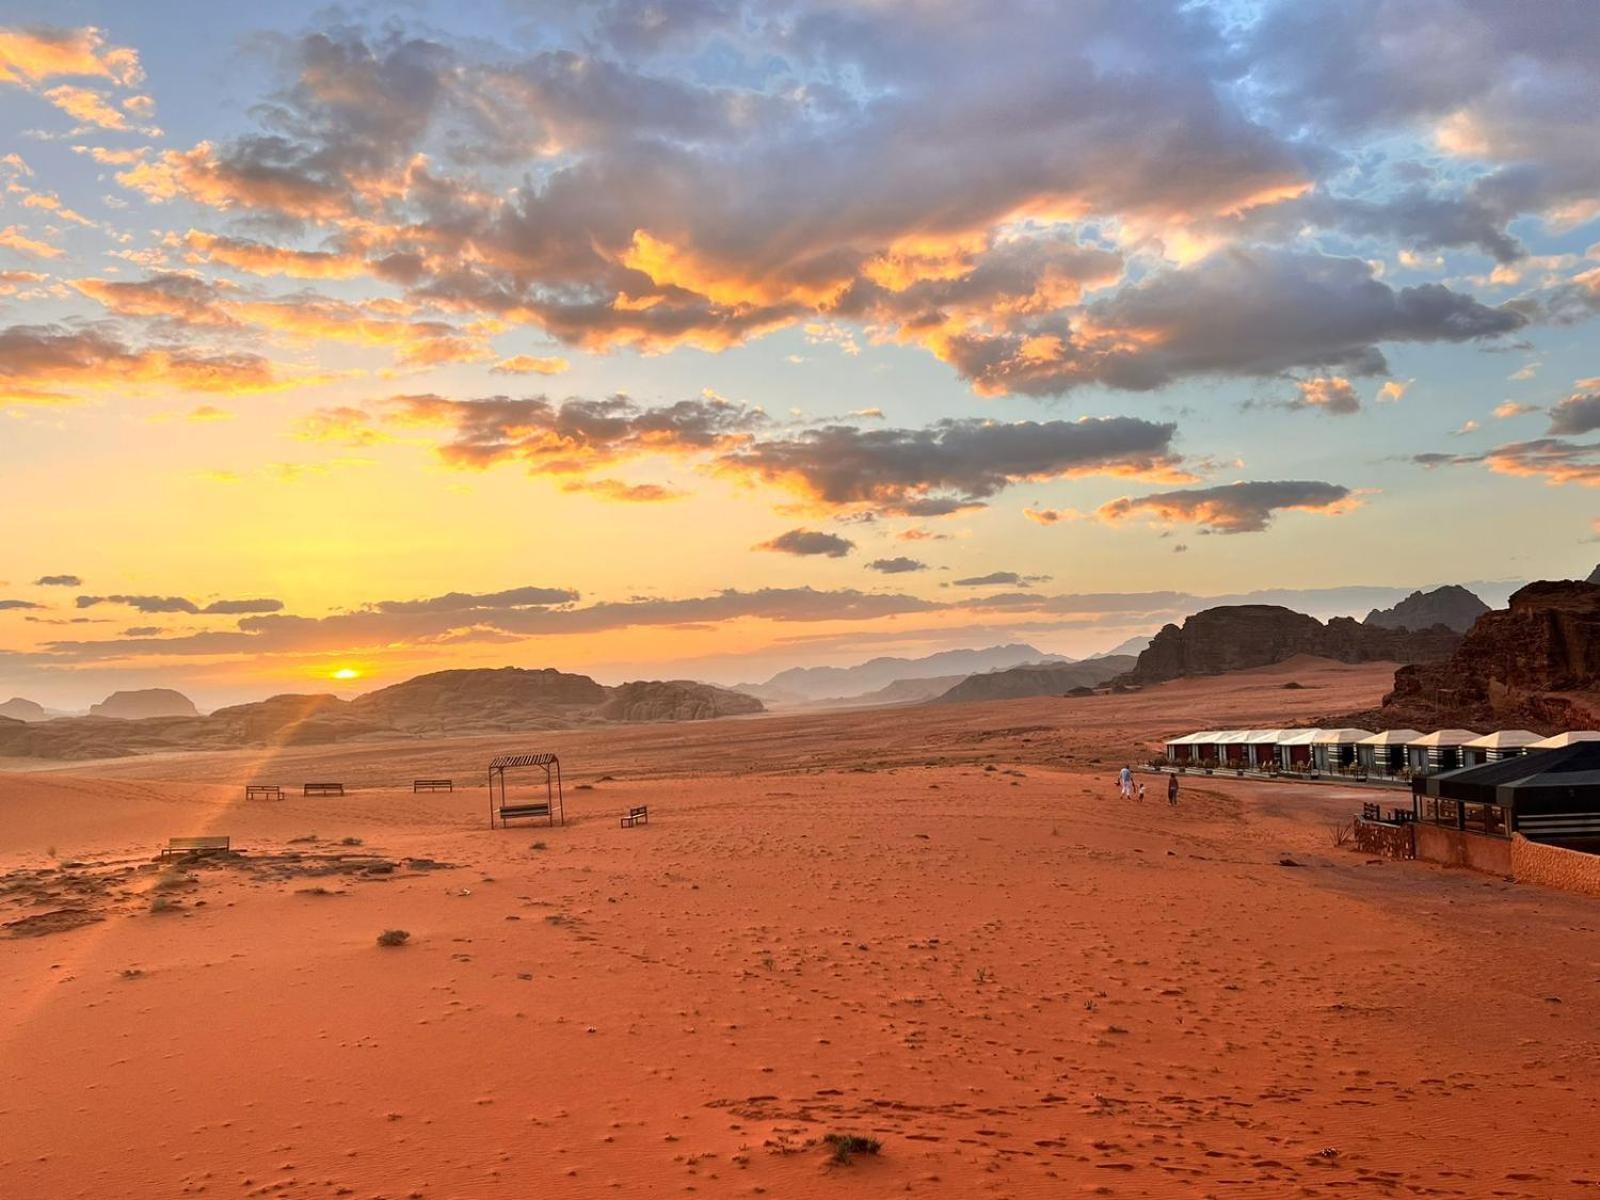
1020,984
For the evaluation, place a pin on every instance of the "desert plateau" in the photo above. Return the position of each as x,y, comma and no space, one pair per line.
938,928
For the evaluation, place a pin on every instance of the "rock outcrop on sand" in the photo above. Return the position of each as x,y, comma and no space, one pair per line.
1235,637
1451,606
19,709
1045,679
146,702
675,700
445,703
1532,665
481,701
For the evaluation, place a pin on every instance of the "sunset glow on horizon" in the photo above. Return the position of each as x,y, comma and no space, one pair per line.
707,339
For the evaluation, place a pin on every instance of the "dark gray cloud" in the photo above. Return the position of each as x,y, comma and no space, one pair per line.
953,464
809,542
1233,507
992,579
1555,460
1579,413
13,605
898,565
464,602
58,581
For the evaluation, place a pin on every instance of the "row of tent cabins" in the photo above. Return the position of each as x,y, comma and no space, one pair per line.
1392,754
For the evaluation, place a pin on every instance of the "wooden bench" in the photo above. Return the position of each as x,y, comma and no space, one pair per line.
433,785
512,811
638,815
262,791
324,789
196,845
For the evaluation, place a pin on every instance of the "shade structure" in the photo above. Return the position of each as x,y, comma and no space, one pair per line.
1295,747
1230,746
1187,748
1551,795
1503,739
1570,738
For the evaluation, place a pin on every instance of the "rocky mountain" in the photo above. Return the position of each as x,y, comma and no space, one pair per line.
443,703
1594,576
147,702
1233,637
1451,606
806,684
19,709
1047,679
481,701
901,691
675,700
1133,647
1532,665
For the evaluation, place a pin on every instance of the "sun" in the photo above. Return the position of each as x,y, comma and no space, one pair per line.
346,673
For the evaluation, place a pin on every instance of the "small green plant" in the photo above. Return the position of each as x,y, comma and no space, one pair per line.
164,904
170,881
843,1147
393,937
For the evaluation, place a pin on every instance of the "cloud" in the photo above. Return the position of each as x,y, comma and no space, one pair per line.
13,238
87,105
1234,507
806,542
625,493
30,56
899,565
576,435
1577,414
263,258
58,581
1051,516
1512,408
178,604
48,364
993,579
9,605
1328,394
527,364
464,602
954,464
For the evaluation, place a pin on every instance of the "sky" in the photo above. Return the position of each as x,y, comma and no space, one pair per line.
704,338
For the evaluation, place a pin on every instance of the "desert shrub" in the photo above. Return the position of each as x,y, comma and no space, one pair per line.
164,904
393,937
843,1147
350,841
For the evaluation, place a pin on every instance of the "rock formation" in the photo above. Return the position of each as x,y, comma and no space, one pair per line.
481,701
800,685
674,700
19,709
1532,665
1451,606
1047,679
1234,637
148,702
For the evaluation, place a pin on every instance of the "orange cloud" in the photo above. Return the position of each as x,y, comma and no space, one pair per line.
86,105
261,258
528,364
12,238
628,493
28,56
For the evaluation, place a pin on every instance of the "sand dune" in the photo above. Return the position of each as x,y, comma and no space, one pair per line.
937,927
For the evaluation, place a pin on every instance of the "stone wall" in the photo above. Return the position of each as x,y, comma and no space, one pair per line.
1385,840
1457,848
1555,866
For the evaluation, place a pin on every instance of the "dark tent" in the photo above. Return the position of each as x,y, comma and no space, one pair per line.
1548,795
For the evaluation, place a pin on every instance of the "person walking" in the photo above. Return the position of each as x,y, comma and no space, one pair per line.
1141,792
1172,790
1125,783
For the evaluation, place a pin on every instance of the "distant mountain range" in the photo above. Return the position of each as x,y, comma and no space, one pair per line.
1452,606
802,685
443,703
1038,679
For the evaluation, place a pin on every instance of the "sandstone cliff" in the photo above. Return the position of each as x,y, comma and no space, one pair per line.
1532,665
1451,606
674,700
1234,637
19,709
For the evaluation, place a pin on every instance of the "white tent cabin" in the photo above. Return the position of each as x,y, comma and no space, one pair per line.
1492,747
1439,750
1385,753
1185,750
1335,749
1296,749
1261,748
1230,746
1572,737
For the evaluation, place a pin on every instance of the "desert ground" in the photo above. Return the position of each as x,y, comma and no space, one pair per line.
938,927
